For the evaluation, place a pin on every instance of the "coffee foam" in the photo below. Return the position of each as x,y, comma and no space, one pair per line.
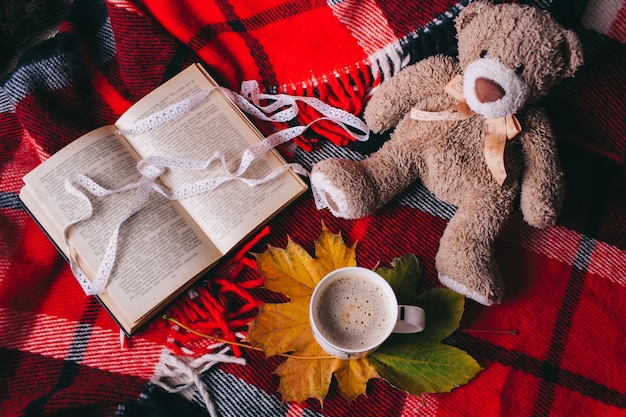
353,312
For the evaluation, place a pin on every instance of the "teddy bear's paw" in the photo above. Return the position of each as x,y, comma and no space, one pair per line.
538,219
486,295
327,195
376,115
537,214
344,187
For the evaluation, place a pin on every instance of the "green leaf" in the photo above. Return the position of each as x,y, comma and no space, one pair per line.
403,276
424,368
418,362
444,310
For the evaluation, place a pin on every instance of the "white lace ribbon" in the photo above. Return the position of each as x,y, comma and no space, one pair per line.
278,108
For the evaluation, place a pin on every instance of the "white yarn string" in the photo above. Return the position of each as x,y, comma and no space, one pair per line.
178,374
278,108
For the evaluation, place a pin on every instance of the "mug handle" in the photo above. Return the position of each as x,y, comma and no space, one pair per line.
411,319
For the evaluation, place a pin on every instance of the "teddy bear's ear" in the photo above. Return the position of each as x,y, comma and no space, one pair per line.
572,51
469,13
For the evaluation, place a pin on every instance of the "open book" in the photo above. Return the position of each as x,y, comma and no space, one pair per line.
167,244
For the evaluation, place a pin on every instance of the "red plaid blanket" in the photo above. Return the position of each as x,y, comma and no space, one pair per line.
60,352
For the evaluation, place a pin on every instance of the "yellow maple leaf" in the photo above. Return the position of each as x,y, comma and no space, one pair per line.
332,252
301,379
285,328
291,271
353,377
280,328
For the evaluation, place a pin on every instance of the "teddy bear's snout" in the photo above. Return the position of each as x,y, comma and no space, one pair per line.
488,91
492,89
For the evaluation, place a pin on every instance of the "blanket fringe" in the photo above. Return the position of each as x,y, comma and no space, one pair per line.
389,61
183,374
349,88
221,315
222,306
345,88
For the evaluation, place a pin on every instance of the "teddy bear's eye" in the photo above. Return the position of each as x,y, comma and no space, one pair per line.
520,69
483,53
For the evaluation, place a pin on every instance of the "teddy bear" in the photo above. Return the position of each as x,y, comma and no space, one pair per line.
472,130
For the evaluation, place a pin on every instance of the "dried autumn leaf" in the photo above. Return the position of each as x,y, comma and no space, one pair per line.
291,271
285,328
332,252
353,377
281,328
301,379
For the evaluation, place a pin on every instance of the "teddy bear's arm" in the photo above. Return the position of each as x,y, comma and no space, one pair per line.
396,96
542,182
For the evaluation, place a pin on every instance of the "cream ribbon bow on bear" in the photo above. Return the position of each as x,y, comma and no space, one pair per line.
497,130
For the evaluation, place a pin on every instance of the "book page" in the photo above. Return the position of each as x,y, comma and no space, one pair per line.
229,213
159,248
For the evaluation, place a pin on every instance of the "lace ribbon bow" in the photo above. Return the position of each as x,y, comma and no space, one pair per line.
497,130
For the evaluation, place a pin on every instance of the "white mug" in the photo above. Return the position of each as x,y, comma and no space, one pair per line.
353,310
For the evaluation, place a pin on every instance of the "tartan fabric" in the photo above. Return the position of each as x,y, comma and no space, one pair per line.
60,352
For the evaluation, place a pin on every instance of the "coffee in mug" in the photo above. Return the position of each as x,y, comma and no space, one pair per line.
354,310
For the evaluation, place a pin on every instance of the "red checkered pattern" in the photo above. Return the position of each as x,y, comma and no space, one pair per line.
60,352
